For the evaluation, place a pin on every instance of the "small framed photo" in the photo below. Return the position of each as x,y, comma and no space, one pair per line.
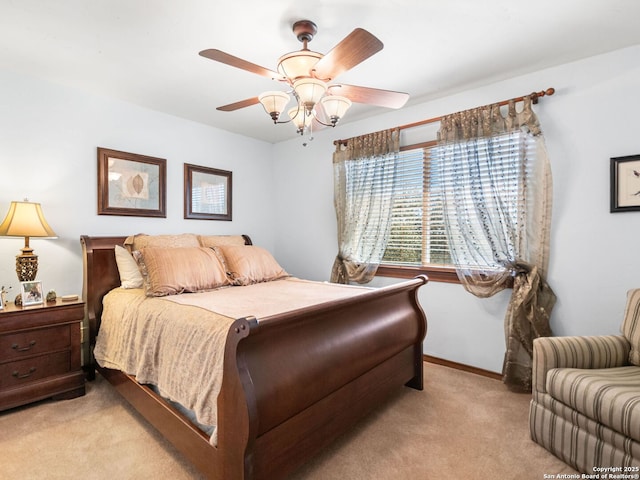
31,293
131,184
207,193
625,184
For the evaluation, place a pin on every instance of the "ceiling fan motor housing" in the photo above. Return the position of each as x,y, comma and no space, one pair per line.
305,30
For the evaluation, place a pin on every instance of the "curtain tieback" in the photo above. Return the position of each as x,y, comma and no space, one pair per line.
518,267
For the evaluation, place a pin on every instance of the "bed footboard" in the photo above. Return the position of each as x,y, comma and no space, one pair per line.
305,377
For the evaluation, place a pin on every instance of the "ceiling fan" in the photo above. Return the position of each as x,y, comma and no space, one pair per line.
309,76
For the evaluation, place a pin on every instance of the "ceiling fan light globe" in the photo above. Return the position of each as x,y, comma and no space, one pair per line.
273,103
298,64
309,91
335,107
300,119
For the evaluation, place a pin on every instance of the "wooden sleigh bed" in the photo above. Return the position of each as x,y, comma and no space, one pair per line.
290,385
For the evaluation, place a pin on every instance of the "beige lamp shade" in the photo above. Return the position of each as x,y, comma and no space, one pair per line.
274,103
309,91
298,64
300,118
25,219
335,107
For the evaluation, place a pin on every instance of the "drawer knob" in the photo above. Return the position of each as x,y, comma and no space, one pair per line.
17,374
18,348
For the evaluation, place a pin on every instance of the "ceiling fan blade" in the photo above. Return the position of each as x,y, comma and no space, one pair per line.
372,96
222,57
355,48
238,105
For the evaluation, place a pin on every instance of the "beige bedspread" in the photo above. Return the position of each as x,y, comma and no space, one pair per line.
177,343
263,300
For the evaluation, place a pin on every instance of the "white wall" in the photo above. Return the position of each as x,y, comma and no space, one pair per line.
283,194
48,152
594,254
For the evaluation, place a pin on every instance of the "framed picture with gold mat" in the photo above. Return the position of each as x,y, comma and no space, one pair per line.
131,184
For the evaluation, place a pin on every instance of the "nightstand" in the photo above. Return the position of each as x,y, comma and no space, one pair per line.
40,352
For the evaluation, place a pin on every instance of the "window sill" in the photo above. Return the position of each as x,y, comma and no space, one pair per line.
435,274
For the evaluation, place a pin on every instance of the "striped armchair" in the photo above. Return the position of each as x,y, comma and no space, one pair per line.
585,407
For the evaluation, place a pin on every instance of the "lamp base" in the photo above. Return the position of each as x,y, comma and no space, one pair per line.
27,265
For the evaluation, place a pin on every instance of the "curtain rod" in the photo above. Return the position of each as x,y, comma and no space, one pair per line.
534,98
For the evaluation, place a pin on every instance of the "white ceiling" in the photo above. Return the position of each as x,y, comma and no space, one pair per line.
146,51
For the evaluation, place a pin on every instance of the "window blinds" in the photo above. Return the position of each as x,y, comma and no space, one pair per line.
479,175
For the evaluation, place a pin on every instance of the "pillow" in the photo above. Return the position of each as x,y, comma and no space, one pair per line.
631,325
249,264
130,276
170,271
142,240
216,240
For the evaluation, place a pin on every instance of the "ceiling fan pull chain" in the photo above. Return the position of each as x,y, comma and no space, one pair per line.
310,130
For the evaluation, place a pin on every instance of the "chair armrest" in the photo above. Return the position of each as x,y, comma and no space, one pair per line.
604,351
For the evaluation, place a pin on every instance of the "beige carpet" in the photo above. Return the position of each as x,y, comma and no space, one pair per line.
461,426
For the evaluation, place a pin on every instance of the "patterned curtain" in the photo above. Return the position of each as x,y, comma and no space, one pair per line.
497,190
363,172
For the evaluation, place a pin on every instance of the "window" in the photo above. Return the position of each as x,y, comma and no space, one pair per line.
417,238
425,175
417,234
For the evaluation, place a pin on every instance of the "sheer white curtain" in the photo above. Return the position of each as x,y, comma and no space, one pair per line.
363,197
497,190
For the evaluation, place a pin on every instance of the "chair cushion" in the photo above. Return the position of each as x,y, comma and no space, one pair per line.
631,325
610,396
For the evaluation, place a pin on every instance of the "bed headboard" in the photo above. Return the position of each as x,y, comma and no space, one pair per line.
100,275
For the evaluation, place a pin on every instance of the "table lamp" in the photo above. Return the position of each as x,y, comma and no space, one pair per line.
25,219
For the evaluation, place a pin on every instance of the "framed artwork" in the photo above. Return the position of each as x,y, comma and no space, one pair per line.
625,184
131,184
31,293
207,193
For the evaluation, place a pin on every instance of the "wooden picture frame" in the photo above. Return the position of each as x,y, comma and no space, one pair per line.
625,184
207,193
130,184
32,293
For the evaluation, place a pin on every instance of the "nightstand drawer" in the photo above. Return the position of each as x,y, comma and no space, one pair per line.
23,371
34,342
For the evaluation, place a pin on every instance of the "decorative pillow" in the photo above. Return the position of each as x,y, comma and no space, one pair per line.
249,264
170,271
217,240
130,276
142,240
631,325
